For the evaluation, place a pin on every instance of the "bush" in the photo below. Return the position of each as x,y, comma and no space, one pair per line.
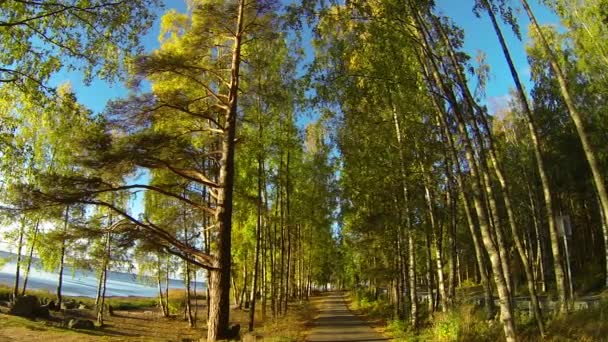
447,328
399,330
131,303
365,301
583,325
464,323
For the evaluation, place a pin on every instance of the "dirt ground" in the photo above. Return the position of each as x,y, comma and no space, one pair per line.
132,325
149,325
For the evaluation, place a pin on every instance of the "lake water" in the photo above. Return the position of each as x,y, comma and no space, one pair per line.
84,283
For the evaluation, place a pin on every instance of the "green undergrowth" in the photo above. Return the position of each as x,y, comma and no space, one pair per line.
375,306
463,323
583,325
466,322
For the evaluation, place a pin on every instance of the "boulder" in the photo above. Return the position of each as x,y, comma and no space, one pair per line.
25,306
42,312
82,307
77,323
68,305
233,332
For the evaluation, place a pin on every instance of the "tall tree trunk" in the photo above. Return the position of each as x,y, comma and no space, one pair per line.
578,120
452,214
258,236
604,222
408,224
281,202
435,237
412,278
167,269
288,233
219,306
430,279
194,277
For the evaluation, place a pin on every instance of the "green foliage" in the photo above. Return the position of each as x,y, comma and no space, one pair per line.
400,330
97,36
446,328
371,305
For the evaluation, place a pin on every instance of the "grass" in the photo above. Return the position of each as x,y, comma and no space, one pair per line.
29,330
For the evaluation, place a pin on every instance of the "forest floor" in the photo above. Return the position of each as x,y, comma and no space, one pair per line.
148,324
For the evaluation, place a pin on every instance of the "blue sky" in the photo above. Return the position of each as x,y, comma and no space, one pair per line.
479,36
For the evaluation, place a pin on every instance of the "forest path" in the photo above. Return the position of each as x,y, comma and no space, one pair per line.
336,323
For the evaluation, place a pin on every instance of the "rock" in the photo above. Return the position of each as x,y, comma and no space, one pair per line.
82,307
77,323
25,306
233,332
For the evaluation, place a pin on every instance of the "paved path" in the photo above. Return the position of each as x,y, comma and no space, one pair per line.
336,323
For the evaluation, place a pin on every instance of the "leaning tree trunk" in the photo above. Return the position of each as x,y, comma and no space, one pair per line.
219,303
479,255
62,255
493,250
578,120
485,151
159,281
106,262
544,181
504,190
18,268
188,307
30,256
